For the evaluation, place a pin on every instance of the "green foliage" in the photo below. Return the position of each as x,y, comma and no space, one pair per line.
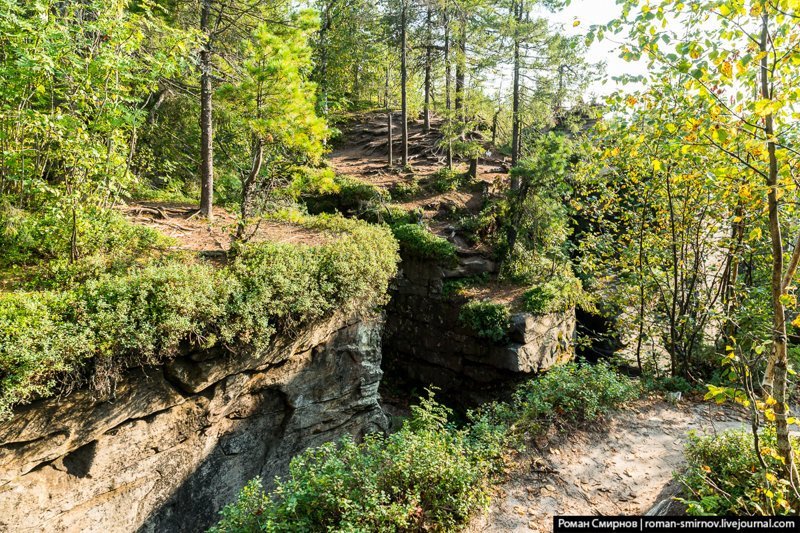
145,314
427,476
566,394
74,76
488,320
417,241
43,238
668,384
453,286
725,476
537,300
405,190
444,180
326,192
554,285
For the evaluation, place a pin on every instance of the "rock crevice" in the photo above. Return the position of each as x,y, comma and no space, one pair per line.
179,441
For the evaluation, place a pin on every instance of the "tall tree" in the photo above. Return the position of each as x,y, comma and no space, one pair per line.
206,108
738,62
404,82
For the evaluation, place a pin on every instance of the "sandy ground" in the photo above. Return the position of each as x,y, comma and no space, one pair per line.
622,466
196,234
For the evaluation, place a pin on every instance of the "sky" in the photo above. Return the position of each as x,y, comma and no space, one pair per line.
590,12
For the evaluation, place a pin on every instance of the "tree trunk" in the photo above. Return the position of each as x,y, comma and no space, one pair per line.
323,58
248,187
473,169
447,91
515,121
206,130
426,113
775,379
389,125
461,67
403,88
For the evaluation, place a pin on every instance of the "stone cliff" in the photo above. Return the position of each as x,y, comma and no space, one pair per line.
178,442
426,343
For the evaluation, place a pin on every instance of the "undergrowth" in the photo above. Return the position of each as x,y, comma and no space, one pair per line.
418,242
148,312
429,476
725,476
489,320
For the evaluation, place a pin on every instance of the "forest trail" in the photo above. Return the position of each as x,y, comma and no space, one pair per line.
622,466
195,234
362,154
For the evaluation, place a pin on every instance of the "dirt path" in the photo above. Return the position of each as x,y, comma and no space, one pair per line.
194,233
623,467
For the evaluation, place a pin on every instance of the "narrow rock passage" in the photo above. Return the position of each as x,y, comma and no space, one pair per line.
622,466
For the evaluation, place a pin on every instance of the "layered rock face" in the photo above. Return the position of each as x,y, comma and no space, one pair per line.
425,341
178,442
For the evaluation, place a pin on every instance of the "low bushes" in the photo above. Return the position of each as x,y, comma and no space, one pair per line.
418,242
405,190
488,320
725,476
428,476
448,180
566,394
342,193
51,340
41,243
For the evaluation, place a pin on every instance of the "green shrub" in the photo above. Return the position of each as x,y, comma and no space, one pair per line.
448,180
488,320
343,194
537,300
417,241
568,393
725,477
54,340
405,191
427,476
31,238
554,285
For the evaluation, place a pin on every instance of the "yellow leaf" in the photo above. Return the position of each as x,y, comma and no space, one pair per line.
672,128
657,165
576,23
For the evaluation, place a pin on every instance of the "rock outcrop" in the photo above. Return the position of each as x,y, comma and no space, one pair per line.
425,341
178,442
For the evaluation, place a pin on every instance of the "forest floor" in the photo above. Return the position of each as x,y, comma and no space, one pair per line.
362,154
623,466
195,234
